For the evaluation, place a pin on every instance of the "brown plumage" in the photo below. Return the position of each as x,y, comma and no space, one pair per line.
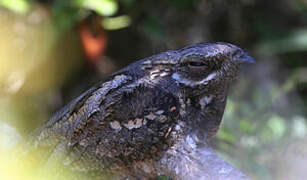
128,125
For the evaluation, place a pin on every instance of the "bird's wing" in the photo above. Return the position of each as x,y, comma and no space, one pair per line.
48,138
114,124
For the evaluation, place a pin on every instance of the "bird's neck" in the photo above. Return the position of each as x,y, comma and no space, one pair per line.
203,113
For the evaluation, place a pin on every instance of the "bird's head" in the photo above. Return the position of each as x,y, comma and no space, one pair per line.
203,67
199,75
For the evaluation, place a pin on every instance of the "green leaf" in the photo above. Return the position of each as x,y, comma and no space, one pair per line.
18,6
102,7
277,126
116,22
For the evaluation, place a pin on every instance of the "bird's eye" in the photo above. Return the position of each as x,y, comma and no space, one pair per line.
197,64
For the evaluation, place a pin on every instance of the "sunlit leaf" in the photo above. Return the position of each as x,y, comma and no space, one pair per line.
102,7
277,126
116,22
18,6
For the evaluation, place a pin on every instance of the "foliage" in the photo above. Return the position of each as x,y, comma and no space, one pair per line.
267,106
68,13
18,6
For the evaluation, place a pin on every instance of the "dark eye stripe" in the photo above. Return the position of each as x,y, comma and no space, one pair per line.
197,64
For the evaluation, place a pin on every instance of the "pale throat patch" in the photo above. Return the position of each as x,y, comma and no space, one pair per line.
191,83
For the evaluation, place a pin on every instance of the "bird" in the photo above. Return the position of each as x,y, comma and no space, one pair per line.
128,125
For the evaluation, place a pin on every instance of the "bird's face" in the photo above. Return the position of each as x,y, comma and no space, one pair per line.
202,67
199,75
209,65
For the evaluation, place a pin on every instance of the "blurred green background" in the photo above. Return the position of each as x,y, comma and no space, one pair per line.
52,50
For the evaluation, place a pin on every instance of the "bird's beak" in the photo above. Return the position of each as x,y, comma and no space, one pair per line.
244,58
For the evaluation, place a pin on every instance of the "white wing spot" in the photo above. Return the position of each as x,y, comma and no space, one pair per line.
129,125
159,112
115,125
137,123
